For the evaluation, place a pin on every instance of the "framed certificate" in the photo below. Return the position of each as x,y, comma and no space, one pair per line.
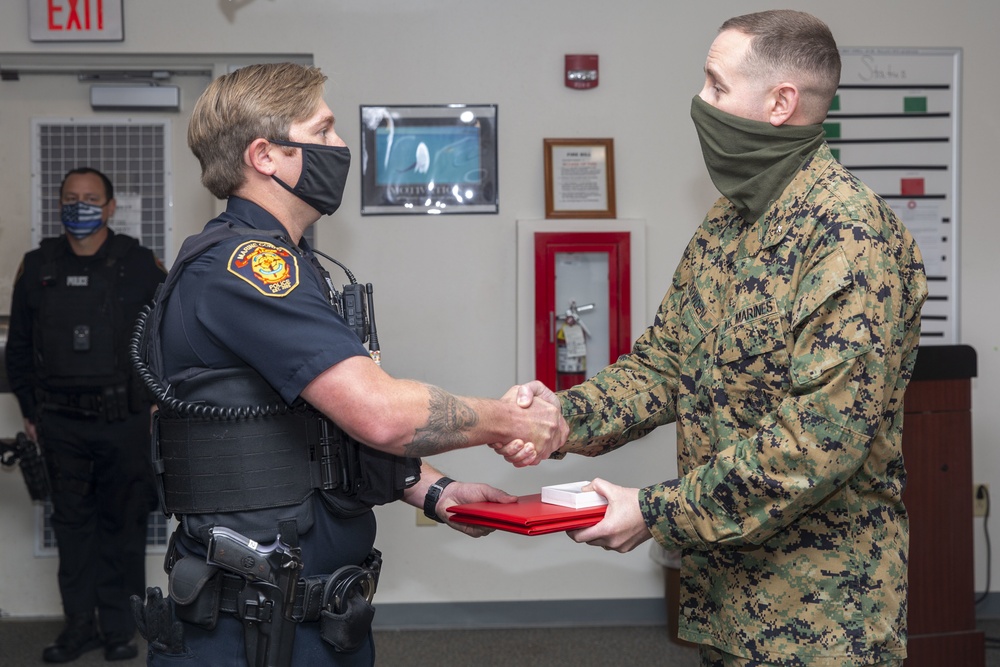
429,159
579,178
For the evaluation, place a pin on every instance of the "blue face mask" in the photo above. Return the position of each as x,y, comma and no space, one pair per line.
82,219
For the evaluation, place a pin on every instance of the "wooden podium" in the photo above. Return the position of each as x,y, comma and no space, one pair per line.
937,450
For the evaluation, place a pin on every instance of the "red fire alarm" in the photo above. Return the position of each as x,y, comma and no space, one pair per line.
581,71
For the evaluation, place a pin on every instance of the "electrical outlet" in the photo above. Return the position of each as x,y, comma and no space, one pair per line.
980,499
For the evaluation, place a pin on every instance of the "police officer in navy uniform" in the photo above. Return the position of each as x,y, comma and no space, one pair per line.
278,431
75,300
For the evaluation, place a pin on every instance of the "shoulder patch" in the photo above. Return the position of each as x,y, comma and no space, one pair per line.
273,271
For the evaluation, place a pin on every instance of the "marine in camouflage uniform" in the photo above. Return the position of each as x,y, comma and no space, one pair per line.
782,351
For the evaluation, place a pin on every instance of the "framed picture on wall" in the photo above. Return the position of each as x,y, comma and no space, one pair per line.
429,159
580,178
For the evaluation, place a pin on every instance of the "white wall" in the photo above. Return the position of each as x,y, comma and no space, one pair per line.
445,286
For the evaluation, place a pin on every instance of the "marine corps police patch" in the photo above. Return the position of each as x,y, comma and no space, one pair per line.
273,271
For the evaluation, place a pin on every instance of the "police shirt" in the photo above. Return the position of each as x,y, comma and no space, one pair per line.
255,301
782,350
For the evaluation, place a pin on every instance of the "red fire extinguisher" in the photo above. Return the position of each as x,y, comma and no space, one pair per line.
571,348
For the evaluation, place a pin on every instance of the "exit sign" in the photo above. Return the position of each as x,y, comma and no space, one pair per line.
75,21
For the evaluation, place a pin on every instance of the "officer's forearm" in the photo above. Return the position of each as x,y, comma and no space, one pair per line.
410,418
450,423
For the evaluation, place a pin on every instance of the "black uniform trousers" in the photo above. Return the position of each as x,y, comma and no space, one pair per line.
102,494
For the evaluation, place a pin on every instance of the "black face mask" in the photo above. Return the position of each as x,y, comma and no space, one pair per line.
324,174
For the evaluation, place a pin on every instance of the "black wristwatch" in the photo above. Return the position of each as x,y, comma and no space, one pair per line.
433,496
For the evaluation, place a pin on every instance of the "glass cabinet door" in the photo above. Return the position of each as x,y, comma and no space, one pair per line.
582,310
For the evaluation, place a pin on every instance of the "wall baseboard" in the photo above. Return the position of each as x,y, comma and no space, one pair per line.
551,613
520,614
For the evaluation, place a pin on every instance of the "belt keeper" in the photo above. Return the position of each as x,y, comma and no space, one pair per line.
309,598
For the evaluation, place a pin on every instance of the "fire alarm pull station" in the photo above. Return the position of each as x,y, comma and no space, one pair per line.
581,71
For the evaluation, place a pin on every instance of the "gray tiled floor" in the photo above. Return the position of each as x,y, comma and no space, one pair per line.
21,645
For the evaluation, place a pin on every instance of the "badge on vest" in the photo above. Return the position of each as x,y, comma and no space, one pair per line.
273,271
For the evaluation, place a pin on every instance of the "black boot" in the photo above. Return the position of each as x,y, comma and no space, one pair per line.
120,651
79,636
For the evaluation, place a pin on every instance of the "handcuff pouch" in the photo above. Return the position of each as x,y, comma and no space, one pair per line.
347,631
346,618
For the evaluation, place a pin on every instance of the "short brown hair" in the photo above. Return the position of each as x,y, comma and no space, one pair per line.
254,101
786,42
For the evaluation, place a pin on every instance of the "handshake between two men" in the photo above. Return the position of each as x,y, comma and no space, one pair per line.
420,420
552,429
623,527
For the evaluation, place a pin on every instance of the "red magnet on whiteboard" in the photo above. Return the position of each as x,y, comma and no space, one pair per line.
581,71
911,187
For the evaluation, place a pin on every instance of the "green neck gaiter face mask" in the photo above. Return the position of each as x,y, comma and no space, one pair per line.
749,161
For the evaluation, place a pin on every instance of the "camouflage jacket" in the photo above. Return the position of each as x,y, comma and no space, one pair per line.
782,351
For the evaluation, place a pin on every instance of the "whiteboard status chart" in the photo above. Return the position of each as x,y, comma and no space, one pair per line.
895,123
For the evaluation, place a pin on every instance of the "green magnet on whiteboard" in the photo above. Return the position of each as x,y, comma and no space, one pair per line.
915,104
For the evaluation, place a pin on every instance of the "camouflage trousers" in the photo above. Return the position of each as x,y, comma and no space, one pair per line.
712,657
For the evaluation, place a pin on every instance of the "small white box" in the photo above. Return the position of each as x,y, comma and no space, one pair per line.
571,495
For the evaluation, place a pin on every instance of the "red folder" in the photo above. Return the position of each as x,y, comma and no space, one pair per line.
528,516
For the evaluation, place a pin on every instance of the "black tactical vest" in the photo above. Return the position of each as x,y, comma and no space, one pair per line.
79,333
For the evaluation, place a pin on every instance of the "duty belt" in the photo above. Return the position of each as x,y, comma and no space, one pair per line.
313,595
89,401
111,401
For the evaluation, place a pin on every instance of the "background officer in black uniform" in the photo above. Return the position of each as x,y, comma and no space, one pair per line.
247,309
75,300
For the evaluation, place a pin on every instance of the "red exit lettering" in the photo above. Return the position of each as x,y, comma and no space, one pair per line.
80,15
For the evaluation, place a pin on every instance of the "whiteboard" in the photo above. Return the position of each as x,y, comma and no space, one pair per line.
895,124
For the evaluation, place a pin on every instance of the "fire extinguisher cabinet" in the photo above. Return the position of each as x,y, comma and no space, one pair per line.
582,304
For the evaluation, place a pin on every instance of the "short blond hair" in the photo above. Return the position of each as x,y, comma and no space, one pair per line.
254,101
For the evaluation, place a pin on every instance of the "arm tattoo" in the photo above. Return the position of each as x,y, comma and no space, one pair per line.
446,425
